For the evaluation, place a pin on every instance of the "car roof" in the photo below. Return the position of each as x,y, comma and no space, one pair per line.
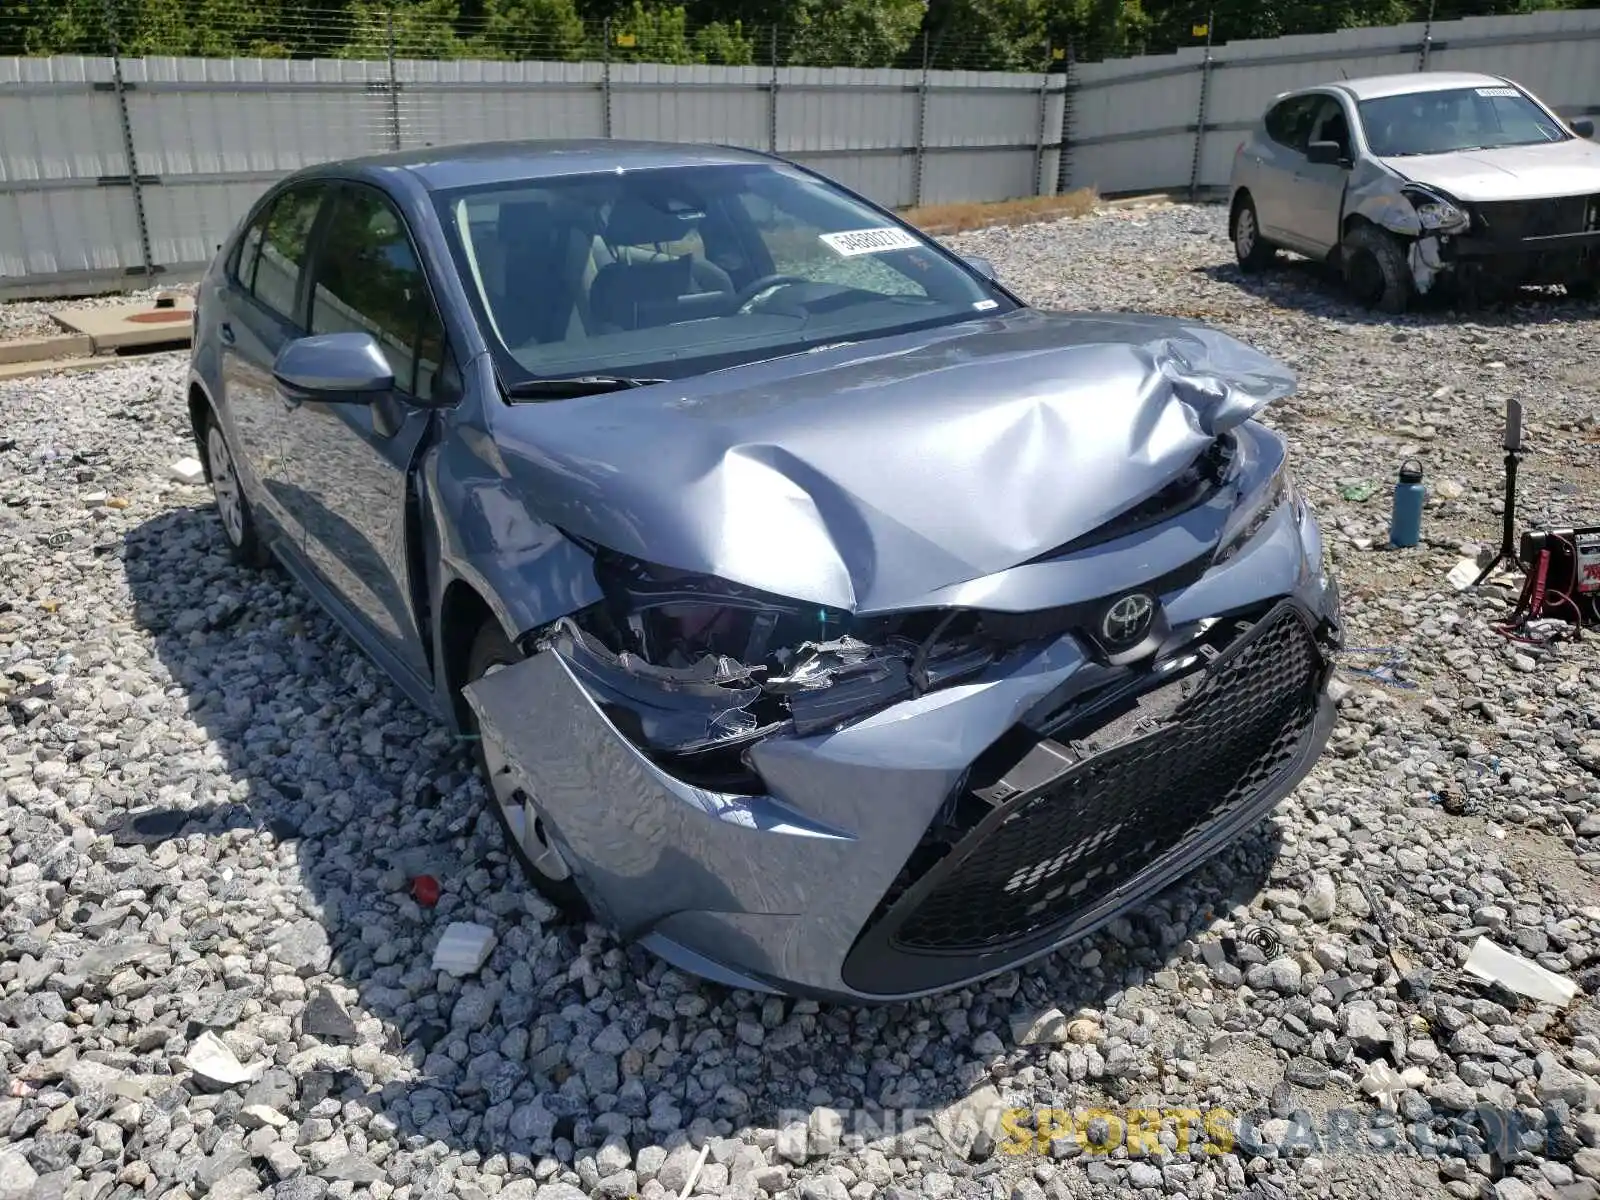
439,168
1371,87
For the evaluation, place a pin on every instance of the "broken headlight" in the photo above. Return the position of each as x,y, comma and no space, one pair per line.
1255,510
694,668
1437,212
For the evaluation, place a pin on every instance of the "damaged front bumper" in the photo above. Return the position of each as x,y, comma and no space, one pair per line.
1517,242
958,833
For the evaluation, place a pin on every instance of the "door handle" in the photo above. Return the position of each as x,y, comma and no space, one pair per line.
225,332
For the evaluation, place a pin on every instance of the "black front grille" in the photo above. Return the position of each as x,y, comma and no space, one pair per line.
1050,854
1518,219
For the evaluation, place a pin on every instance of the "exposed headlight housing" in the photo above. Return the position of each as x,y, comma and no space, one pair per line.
1437,212
1256,509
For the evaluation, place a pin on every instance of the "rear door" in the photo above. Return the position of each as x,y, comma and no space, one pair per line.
264,310
350,462
1282,153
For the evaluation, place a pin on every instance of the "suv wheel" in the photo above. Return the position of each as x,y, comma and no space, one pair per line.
1253,251
1375,269
514,809
238,524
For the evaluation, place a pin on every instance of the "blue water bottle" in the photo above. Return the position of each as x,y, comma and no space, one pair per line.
1405,526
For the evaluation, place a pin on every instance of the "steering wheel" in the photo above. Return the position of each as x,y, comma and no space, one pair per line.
751,292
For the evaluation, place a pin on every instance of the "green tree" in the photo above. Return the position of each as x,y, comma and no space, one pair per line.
534,29
419,29
724,43
851,33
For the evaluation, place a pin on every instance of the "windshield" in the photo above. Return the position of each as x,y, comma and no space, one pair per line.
1471,118
672,272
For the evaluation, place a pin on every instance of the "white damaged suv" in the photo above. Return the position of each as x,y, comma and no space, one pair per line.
1403,180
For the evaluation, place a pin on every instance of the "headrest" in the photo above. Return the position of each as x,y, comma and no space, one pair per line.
633,295
522,222
636,222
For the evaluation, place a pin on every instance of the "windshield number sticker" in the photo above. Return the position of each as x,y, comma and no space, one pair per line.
1508,93
869,241
986,305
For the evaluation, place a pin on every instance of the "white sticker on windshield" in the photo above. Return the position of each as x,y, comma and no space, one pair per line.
986,305
1509,93
869,241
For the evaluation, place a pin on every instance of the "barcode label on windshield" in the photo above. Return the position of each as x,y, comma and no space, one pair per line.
1509,93
869,241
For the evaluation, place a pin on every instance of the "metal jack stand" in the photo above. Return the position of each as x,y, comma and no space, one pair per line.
1508,548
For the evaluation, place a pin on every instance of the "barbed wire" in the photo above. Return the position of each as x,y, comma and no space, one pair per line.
552,31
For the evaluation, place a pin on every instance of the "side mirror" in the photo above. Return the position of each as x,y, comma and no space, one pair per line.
1325,154
334,368
1583,127
982,266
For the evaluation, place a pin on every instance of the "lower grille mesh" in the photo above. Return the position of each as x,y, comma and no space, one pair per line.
1048,855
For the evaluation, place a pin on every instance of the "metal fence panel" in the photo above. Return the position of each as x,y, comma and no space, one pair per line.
207,135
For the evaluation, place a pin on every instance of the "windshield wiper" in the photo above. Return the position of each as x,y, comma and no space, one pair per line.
563,388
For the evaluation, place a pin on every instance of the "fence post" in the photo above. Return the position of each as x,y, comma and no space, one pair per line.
1427,39
394,87
1044,117
1200,116
1064,154
772,96
605,75
922,125
128,152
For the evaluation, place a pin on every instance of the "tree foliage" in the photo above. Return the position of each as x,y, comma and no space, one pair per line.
1011,35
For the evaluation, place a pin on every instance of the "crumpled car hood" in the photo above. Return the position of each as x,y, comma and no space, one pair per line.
866,476
1508,173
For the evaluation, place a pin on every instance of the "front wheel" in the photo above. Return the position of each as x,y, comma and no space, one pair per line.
1252,250
515,810
1375,269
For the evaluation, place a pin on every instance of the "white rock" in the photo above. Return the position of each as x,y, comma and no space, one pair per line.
189,471
463,948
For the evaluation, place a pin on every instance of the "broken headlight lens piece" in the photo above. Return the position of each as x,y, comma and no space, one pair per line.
1255,510
1437,212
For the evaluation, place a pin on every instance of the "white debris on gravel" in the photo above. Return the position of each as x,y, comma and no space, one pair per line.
288,794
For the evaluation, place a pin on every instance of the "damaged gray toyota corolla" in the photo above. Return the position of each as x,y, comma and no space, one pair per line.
830,621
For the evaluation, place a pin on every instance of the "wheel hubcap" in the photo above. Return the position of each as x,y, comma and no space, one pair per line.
521,816
225,485
1244,232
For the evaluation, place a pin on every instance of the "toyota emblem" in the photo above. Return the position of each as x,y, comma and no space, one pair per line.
1128,619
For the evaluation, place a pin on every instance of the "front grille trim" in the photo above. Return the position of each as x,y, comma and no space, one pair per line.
1300,744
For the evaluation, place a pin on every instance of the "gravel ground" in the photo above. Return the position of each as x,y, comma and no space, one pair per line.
269,908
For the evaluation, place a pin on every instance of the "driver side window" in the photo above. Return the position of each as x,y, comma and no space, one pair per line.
797,248
1289,122
1330,125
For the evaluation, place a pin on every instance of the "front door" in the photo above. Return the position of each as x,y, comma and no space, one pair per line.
262,313
1319,187
351,461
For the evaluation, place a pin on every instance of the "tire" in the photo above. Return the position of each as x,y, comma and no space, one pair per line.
1375,269
491,650
1253,251
233,508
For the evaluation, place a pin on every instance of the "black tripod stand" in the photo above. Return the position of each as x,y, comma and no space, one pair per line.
1508,549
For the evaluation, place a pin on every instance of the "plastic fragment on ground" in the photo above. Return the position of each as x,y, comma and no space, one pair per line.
1383,1083
1499,965
188,470
425,890
1462,574
211,1060
463,949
